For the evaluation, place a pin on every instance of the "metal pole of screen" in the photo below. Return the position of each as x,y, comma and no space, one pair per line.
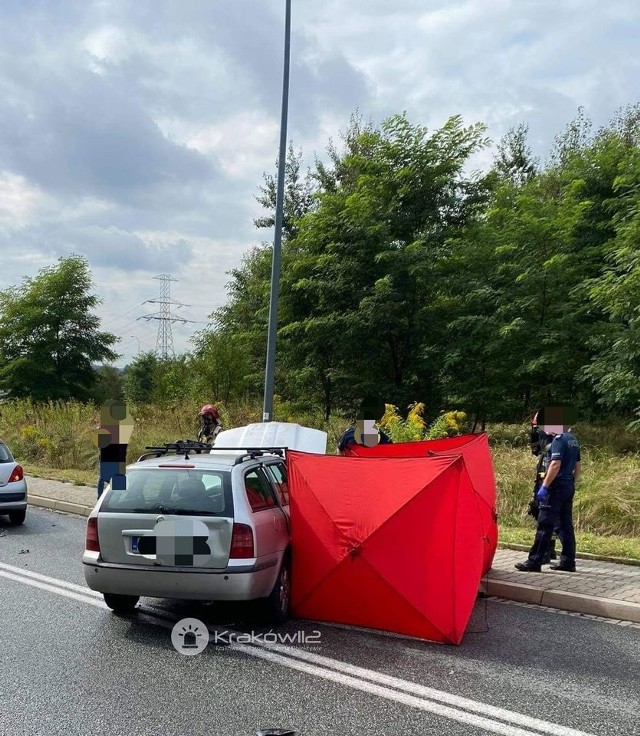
267,411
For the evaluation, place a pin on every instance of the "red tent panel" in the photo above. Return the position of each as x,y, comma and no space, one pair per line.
475,449
389,544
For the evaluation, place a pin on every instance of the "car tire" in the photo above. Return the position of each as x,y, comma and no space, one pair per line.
276,606
121,603
17,517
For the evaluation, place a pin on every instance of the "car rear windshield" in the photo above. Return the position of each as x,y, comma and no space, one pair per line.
164,491
5,455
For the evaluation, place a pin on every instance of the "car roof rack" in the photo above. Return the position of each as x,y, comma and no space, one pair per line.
189,446
251,453
179,447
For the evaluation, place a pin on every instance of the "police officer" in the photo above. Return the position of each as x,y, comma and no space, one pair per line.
555,495
540,447
363,430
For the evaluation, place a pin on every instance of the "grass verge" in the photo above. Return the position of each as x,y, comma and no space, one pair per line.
77,477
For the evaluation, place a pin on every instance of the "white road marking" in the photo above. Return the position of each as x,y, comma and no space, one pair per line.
52,581
54,589
425,692
447,705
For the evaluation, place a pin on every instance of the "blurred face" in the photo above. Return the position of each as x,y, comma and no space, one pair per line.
371,410
117,421
548,422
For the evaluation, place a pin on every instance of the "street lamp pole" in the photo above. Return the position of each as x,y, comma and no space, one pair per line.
138,339
267,412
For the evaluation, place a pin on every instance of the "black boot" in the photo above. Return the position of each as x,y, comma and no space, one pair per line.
527,567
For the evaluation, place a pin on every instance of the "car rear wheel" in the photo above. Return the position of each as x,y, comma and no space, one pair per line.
17,517
121,603
277,604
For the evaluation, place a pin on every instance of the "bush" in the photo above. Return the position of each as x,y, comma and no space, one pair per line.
414,428
411,429
448,424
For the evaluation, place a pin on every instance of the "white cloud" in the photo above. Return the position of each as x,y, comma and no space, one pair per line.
19,201
243,144
108,44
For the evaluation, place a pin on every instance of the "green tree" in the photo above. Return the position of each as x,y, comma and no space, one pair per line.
243,320
615,367
221,367
140,378
514,160
298,195
359,289
173,380
49,337
109,384
407,276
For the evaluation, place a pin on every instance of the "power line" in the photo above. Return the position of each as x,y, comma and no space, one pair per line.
112,320
127,325
164,341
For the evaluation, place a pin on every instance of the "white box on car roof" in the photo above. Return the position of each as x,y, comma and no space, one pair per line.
274,434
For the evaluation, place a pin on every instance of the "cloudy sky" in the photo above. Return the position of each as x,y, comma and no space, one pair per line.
136,132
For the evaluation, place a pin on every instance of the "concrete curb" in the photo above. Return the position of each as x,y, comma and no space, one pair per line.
56,505
563,600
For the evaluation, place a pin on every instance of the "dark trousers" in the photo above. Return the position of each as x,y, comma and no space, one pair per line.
556,514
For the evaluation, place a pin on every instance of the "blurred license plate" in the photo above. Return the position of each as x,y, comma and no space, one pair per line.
134,543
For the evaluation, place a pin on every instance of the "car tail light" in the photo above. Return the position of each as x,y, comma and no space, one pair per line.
18,474
241,542
92,543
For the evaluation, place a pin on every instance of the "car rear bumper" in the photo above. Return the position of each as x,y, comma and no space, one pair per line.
13,497
233,584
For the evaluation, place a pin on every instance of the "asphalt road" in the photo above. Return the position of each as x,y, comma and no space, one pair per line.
69,666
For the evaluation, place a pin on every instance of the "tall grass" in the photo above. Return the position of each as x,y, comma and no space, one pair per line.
59,435
607,497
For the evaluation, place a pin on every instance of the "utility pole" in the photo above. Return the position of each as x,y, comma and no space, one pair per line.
135,337
267,411
164,342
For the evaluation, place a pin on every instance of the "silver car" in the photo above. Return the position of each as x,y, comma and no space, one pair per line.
143,541
13,487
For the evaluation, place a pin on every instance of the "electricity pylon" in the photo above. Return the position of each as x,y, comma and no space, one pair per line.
164,341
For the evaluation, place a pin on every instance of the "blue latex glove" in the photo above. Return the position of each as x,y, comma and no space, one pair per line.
543,494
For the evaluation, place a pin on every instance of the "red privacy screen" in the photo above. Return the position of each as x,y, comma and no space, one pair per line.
475,450
393,543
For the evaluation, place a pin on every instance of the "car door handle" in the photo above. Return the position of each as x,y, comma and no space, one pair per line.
276,522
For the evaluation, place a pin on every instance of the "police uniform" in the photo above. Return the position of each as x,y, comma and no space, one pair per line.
557,512
544,460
